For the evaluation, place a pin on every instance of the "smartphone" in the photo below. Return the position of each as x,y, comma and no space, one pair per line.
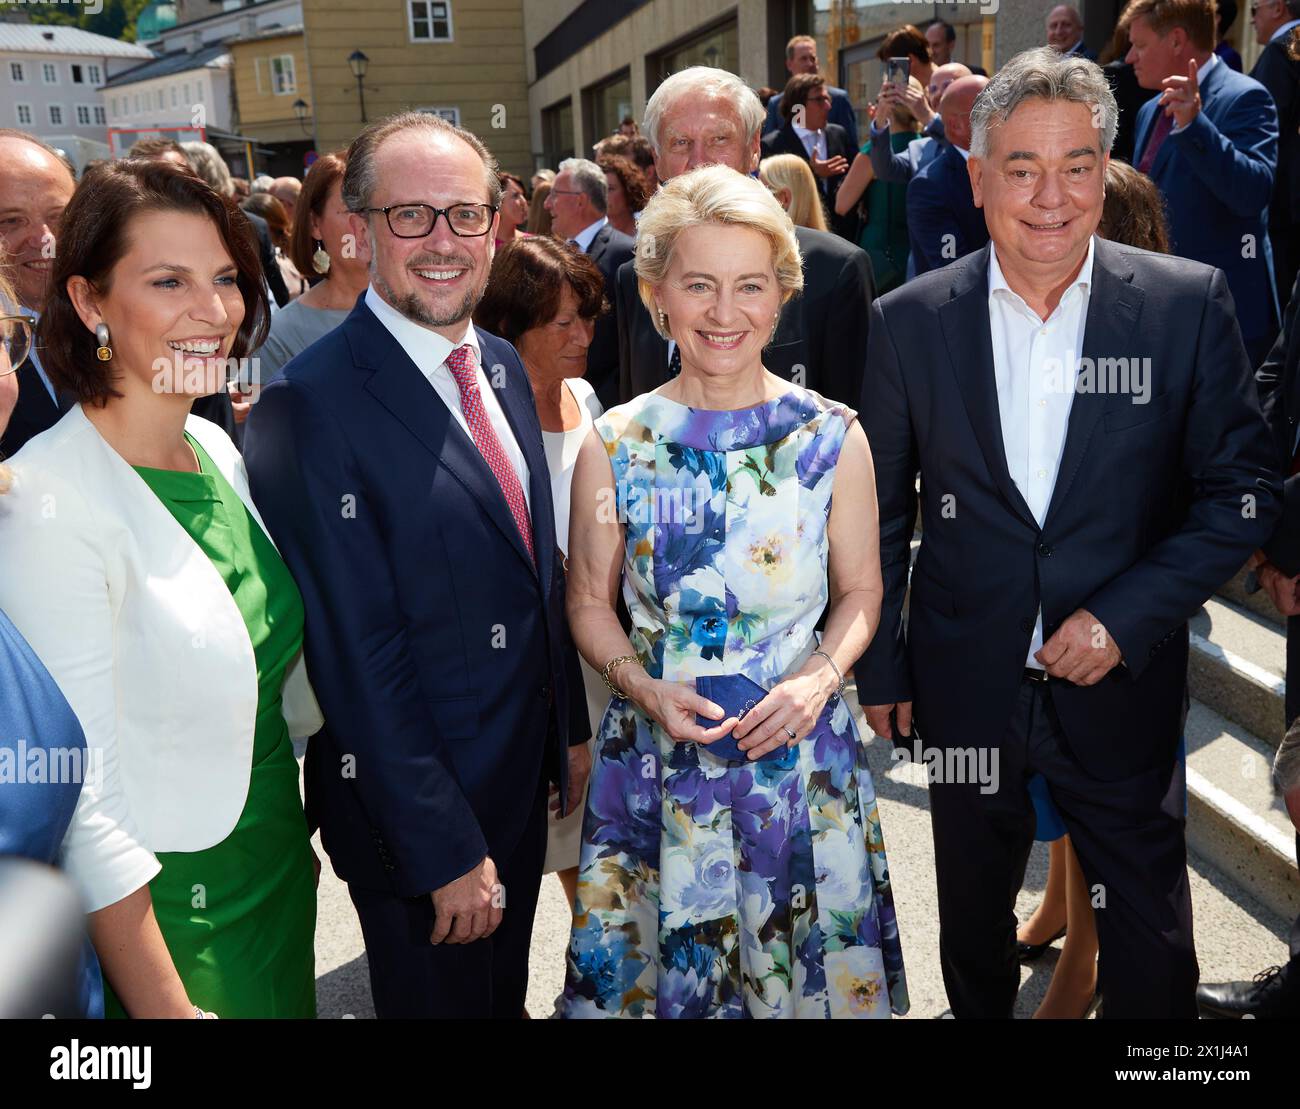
898,70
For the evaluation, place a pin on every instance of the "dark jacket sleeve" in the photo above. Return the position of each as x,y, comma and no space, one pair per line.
882,672
887,164
1230,462
848,325
935,232
625,312
302,473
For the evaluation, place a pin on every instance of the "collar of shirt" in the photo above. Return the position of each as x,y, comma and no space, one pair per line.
1210,63
998,283
965,154
583,238
1285,29
818,138
427,349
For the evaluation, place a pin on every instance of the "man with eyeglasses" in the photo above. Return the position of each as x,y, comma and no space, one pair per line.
398,463
35,187
808,134
1277,29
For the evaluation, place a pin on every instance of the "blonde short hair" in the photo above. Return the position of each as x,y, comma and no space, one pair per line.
711,195
789,171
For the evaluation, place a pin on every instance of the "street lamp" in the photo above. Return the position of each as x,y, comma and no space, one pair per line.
357,62
300,108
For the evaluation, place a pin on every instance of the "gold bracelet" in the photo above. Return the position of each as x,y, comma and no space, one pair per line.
610,667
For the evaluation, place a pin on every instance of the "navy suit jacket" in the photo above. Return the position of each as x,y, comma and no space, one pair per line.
1155,505
841,113
609,250
1217,177
898,167
440,656
943,223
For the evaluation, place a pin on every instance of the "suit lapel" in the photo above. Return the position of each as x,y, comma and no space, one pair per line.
1114,305
399,386
965,322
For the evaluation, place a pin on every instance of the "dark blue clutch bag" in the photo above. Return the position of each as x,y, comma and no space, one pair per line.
735,694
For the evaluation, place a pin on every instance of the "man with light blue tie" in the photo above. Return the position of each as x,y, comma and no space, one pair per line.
35,186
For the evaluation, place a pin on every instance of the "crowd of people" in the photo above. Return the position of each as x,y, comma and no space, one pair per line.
514,500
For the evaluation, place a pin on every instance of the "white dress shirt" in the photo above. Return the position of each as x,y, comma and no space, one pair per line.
429,351
1035,364
32,355
583,238
813,141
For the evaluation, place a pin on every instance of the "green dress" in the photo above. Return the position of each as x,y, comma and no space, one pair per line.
884,232
239,918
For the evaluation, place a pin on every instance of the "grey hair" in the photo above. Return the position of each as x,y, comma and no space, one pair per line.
591,179
210,166
706,83
1042,74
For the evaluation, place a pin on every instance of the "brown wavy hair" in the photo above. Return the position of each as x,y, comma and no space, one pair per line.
93,237
523,290
324,172
1134,211
635,186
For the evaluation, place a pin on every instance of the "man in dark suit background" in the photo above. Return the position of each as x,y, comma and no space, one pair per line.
578,202
801,57
398,463
943,222
1277,25
35,187
806,133
1065,32
704,116
1092,468
1209,142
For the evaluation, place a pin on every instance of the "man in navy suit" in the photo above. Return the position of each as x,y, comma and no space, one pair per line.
1209,142
1065,32
801,57
1093,466
943,222
578,201
399,465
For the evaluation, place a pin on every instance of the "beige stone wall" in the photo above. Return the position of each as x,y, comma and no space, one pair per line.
481,72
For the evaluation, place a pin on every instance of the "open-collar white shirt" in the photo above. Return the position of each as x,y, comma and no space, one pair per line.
429,351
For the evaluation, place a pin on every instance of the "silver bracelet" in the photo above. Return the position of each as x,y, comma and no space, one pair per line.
839,692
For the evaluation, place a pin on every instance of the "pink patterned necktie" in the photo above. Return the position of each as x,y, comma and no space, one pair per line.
464,371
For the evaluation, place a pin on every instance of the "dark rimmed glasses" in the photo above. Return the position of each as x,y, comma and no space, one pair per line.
15,342
415,221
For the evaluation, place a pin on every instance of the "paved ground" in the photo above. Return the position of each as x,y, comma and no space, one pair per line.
1235,935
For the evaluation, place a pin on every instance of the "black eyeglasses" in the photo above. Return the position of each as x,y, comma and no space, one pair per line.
15,343
415,221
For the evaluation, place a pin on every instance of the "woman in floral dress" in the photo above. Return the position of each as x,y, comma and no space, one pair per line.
748,883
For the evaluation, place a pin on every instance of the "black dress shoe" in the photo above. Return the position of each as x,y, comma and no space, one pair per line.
1268,995
1029,952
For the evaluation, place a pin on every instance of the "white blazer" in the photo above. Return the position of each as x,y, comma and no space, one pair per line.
141,634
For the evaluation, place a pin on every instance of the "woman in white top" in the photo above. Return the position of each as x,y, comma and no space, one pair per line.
544,297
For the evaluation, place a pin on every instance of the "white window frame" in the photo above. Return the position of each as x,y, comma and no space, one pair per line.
451,115
135,109
18,115
428,18
80,110
160,103
99,115
94,75
186,91
280,85
61,121
17,73
175,96
48,68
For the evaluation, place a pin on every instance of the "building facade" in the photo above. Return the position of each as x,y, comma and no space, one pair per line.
51,78
274,97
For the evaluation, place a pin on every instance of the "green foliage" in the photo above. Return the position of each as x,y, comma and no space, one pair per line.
115,20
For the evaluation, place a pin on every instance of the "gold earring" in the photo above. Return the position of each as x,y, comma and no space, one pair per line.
320,260
103,351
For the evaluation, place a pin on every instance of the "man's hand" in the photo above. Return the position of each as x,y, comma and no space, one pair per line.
1081,651
831,167
878,718
1182,96
1281,589
469,908
916,102
579,772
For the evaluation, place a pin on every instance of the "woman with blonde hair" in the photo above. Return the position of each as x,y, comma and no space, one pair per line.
732,862
789,179
539,216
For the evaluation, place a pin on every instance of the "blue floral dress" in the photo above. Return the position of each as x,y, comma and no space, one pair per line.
710,888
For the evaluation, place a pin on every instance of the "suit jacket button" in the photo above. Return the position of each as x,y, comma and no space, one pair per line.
1045,549
544,693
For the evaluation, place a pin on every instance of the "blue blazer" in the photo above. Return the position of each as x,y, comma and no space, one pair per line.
1145,521
440,656
943,223
841,112
39,728
1217,177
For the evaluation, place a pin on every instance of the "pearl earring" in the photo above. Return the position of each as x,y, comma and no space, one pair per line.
103,351
663,321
